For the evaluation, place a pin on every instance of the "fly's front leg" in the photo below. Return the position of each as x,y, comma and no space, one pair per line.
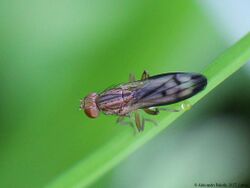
152,111
121,121
145,75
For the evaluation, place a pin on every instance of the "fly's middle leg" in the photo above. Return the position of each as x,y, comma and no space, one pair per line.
138,122
131,77
149,120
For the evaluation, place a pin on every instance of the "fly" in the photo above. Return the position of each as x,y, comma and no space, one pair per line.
147,94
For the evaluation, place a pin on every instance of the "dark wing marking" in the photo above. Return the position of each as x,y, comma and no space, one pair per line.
168,88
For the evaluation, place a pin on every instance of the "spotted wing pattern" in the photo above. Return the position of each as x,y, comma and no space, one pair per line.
168,88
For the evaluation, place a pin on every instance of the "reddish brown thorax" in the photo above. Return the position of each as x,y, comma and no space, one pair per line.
89,106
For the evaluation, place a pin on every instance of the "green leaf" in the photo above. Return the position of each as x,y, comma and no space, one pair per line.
87,171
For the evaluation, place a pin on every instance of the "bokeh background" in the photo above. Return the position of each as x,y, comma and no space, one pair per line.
52,53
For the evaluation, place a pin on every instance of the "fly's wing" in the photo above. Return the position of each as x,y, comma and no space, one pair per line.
168,88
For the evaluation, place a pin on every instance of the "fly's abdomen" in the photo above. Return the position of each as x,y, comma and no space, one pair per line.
170,88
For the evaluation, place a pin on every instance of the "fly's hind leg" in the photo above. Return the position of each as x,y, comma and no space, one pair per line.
152,111
184,107
145,75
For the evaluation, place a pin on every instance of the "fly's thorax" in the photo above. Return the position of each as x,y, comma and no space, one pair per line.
89,105
127,95
113,100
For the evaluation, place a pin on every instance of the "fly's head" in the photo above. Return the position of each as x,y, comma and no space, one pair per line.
88,104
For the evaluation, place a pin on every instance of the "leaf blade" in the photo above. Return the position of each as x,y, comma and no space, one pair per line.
87,171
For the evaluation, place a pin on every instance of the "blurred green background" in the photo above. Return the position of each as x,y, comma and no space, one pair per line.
53,53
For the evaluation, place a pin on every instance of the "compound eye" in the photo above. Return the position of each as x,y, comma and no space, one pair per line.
90,107
92,112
